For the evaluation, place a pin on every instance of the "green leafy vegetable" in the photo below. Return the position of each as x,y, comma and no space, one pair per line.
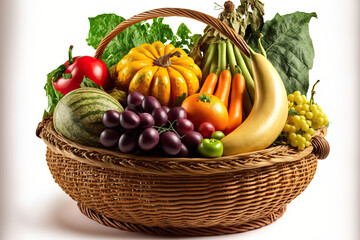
289,48
133,36
87,82
292,112
182,38
51,93
246,17
179,100
66,75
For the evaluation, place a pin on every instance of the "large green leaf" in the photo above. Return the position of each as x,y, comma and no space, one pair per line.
289,48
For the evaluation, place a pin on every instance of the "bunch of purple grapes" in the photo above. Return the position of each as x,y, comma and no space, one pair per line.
146,125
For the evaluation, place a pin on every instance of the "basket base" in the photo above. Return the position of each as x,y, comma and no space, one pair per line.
109,222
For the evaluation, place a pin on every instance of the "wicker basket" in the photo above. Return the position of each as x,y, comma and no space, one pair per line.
180,196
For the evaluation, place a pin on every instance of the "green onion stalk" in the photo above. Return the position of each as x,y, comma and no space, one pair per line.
218,53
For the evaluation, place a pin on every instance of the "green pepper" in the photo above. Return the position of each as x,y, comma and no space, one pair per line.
217,135
210,148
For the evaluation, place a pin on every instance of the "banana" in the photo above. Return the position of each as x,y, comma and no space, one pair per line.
268,115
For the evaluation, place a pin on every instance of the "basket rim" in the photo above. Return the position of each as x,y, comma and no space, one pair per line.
116,160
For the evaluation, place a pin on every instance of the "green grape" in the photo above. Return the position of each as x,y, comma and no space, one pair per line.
297,94
311,131
298,108
307,136
304,98
294,143
305,128
320,120
298,99
296,118
315,112
292,136
306,107
293,129
301,146
309,115
303,122
313,107
300,127
326,120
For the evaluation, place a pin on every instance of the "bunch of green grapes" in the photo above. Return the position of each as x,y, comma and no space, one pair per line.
304,118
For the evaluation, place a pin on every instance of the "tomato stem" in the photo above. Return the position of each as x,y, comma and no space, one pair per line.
71,60
204,98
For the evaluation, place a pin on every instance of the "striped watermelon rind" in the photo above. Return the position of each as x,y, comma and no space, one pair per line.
78,115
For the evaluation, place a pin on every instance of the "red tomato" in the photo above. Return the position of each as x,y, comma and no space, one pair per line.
206,129
86,66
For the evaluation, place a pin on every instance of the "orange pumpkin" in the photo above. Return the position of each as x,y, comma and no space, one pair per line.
164,72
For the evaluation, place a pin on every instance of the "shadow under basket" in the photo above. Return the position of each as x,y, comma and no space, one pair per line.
181,196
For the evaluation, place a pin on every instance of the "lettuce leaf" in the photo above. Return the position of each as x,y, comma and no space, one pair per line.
289,48
133,36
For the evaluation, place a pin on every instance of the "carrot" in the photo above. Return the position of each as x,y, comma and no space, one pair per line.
236,103
209,84
223,88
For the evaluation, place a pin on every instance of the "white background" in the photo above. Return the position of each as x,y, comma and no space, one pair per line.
35,36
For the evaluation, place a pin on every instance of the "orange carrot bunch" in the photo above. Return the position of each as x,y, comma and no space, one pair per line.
222,89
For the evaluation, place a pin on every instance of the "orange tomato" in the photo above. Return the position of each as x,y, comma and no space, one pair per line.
206,108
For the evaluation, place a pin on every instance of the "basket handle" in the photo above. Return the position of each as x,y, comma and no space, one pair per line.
179,12
321,147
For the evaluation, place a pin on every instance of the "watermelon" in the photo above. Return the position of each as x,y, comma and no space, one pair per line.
78,115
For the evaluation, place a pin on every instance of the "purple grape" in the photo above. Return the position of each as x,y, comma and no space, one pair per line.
170,143
128,142
149,103
134,99
184,126
129,120
176,113
192,140
184,152
109,137
159,116
132,109
166,108
146,120
111,119
148,139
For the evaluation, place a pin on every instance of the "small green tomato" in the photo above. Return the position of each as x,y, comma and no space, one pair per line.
217,135
210,148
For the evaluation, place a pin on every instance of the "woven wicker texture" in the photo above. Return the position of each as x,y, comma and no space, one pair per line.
254,224
180,196
184,202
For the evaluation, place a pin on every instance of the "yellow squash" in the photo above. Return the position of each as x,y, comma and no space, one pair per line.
268,115
164,72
